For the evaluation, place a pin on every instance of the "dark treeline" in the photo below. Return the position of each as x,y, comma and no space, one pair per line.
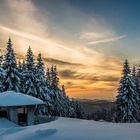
30,77
103,114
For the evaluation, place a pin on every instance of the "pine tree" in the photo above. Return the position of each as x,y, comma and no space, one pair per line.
63,90
41,86
127,99
55,80
30,65
1,60
56,95
134,72
23,65
29,79
137,79
51,76
40,77
20,66
2,78
138,71
12,79
40,65
48,78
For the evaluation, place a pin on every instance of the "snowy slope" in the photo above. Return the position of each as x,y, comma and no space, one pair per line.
4,123
73,129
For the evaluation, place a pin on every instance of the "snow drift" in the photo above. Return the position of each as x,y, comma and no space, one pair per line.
71,129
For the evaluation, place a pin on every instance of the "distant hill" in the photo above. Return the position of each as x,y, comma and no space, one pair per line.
91,106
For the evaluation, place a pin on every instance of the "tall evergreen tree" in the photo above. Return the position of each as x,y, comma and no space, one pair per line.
51,76
2,78
138,71
134,72
40,77
48,78
23,65
1,60
127,99
137,77
20,66
41,86
63,90
12,79
55,80
40,65
30,64
29,84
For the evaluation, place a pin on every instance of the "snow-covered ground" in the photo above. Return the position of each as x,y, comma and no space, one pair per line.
70,129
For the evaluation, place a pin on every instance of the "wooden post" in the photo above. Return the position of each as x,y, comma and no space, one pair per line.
30,115
13,114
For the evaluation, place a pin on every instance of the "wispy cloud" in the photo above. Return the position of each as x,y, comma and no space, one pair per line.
103,36
33,37
106,40
96,34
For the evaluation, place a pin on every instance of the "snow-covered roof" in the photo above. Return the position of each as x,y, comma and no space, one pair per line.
11,98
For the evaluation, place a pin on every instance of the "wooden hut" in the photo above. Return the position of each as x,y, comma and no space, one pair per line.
18,107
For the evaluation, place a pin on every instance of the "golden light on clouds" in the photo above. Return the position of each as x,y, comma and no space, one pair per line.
86,72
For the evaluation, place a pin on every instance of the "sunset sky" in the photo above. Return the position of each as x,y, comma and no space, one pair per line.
88,40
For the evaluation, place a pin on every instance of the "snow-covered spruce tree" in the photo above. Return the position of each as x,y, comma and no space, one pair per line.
76,110
21,71
50,94
23,65
1,60
54,93
12,78
57,98
62,106
2,78
29,81
42,88
127,99
63,90
48,78
62,101
79,111
66,103
51,76
134,72
40,77
20,66
137,79
55,81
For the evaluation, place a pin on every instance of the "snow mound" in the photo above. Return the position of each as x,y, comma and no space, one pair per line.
4,123
74,129
11,98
